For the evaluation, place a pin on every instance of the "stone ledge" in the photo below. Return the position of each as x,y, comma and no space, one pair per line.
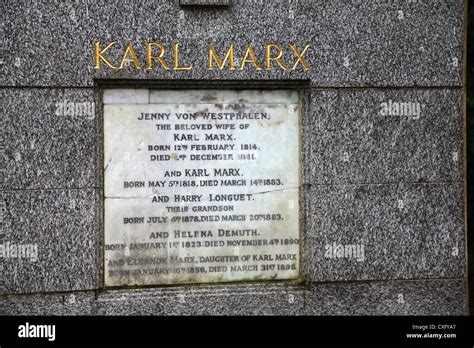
423,297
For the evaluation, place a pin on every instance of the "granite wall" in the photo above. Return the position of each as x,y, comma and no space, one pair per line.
394,184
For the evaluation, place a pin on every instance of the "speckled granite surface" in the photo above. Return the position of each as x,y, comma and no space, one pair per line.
353,43
64,226
404,231
438,297
387,136
46,146
389,182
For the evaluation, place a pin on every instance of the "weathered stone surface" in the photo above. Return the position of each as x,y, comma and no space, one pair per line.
256,238
407,231
305,135
356,140
83,142
64,225
79,303
437,297
126,96
237,299
264,97
353,43
50,138
214,300
205,2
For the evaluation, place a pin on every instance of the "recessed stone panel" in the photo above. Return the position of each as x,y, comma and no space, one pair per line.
201,186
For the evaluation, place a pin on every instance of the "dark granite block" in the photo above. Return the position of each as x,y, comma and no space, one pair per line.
358,136
204,300
437,297
83,140
306,129
34,153
51,138
80,303
352,43
205,2
361,232
59,233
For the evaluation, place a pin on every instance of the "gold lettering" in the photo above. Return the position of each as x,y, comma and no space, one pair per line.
155,53
299,57
252,59
220,63
134,59
99,54
176,59
269,57
150,57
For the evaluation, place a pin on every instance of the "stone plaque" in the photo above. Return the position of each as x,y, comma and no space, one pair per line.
201,186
